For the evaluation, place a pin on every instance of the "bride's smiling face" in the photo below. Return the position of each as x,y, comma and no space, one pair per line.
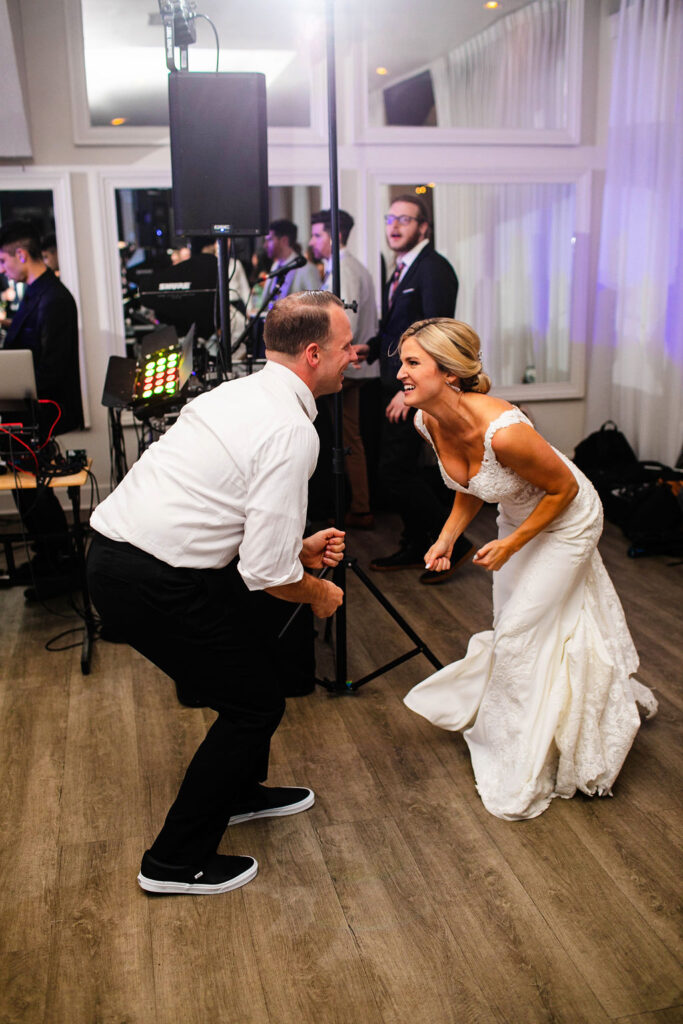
420,375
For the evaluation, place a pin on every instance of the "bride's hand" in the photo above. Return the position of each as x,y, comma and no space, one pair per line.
494,555
438,558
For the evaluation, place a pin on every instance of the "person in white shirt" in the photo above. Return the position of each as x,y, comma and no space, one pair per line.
355,284
210,517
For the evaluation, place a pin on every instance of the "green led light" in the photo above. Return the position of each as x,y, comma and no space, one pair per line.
157,391
146,394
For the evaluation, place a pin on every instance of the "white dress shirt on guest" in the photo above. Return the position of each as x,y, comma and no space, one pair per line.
356,283
229,477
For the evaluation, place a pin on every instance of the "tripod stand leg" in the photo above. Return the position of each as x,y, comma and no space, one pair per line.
420,648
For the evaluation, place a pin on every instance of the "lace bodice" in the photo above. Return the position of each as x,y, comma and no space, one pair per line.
499,484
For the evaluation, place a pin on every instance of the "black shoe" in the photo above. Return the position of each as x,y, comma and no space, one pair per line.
221,874
404,558
300,687
51,586
461,552
188,699
39,567
275,802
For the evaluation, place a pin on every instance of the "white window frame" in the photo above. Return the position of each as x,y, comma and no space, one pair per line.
103,187
363,132
86,134
58,181
581,179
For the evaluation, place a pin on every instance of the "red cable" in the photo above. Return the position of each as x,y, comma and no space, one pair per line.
44,401
27,447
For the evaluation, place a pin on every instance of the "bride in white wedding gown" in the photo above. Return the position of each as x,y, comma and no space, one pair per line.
546,699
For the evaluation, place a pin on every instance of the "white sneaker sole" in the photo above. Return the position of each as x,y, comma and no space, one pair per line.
276,812
196,888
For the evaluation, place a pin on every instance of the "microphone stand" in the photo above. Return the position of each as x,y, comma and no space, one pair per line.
279,278
341,683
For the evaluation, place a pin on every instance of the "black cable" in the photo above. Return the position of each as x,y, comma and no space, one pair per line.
215,32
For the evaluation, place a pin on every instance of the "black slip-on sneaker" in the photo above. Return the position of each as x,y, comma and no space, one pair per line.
273,802
220,874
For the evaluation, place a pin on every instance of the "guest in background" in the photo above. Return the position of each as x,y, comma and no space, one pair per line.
281,247
355,285
423,284
46,323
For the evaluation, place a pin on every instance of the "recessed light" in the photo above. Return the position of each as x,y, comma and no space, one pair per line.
116,121
381,71
492,4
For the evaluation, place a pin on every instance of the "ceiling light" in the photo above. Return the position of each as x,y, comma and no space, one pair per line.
491,4
381,71
116,121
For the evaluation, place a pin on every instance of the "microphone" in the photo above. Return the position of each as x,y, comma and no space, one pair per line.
298,261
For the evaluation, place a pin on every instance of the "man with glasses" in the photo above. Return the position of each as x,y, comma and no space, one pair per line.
423,284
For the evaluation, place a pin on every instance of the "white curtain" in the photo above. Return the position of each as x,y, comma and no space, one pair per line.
636,364
513,75
512,248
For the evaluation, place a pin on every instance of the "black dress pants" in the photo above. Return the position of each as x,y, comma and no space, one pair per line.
201,627
413,490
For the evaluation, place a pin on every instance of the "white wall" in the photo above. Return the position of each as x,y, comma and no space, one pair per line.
41,35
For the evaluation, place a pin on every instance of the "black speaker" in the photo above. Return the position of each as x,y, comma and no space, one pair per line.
219,153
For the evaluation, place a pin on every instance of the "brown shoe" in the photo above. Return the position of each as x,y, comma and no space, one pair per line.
404,558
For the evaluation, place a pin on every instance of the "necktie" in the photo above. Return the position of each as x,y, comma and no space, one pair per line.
393,284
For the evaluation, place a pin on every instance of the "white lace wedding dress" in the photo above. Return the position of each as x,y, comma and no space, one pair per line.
545,698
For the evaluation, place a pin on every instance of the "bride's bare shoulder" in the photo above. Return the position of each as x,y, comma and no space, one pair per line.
487,407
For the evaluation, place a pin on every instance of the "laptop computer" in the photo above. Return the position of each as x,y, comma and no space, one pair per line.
17,377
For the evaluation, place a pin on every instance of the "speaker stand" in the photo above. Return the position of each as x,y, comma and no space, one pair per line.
223,284
341,683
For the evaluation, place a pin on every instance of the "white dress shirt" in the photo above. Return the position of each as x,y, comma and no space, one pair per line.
229,477
356,283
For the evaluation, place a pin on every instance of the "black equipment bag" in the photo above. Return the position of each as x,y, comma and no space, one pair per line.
607,459
649,510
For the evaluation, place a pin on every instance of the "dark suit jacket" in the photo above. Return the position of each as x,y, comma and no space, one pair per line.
429,288
47,324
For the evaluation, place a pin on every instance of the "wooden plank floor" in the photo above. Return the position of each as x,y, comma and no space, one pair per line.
396,899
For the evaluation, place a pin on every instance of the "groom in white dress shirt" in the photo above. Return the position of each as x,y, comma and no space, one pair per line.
210,517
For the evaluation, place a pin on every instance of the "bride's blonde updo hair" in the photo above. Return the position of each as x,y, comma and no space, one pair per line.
454,346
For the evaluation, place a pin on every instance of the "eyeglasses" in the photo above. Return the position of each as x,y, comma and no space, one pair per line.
404,218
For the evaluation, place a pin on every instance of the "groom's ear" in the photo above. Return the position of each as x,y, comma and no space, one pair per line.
312,354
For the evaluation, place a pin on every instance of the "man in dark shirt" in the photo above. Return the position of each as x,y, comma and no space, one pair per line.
47,324
422,285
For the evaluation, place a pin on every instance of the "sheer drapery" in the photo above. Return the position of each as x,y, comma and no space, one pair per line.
635,369
512,248
513,75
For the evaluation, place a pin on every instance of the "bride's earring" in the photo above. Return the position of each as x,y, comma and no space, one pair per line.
453,386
